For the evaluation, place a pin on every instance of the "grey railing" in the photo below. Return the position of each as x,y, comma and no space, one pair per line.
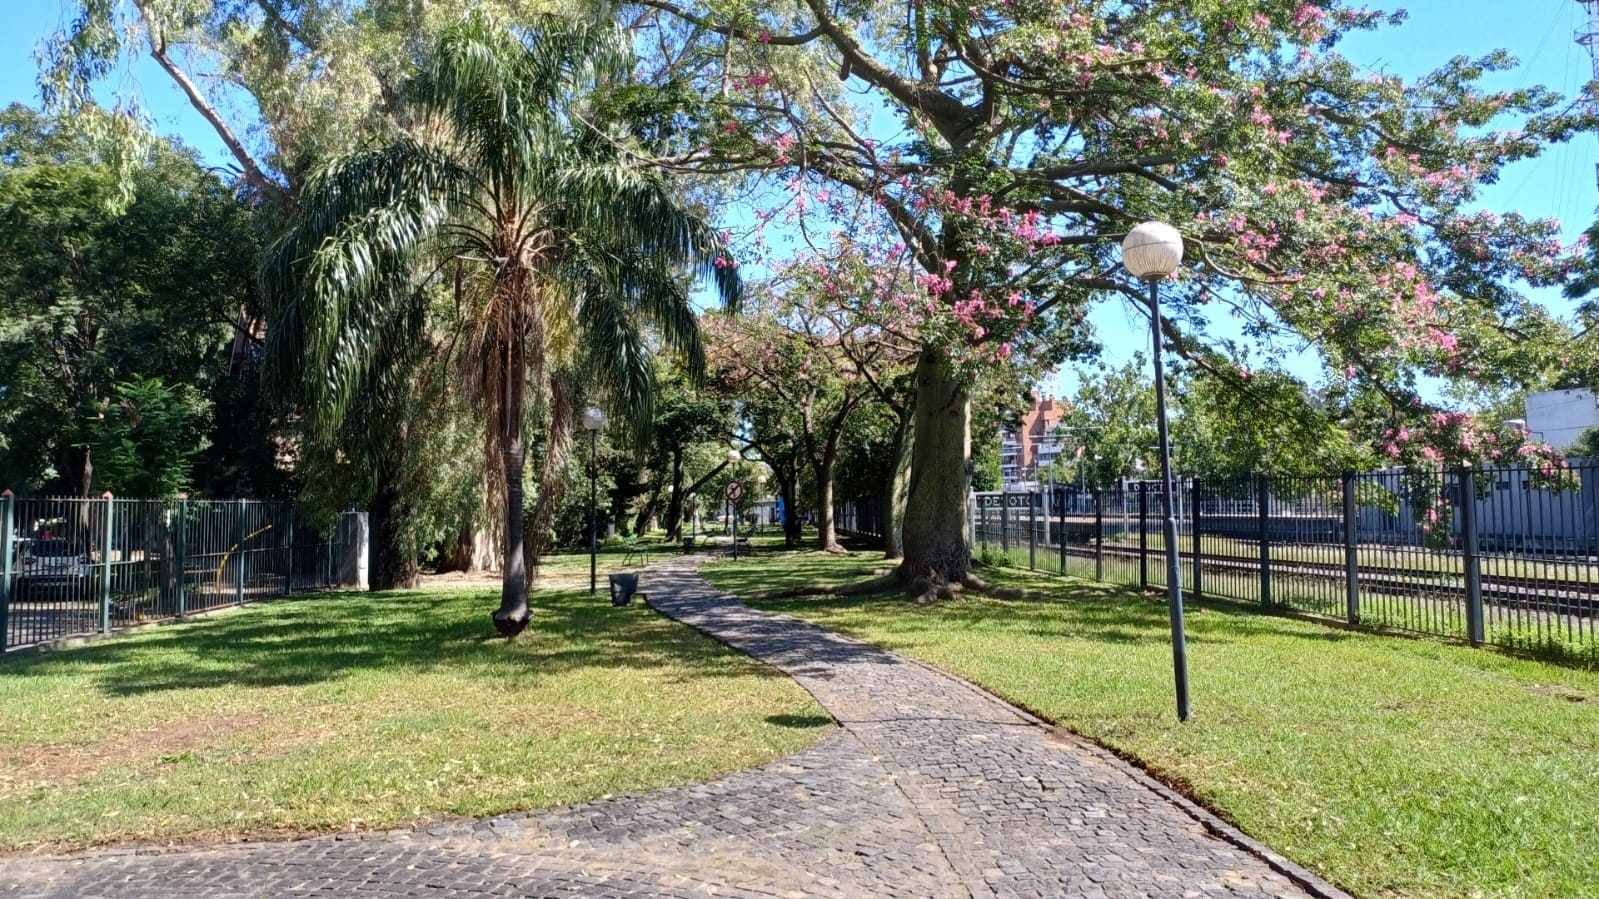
1504,556
71,566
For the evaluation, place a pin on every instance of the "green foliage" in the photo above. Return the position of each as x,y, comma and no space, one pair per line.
320,75
1586,445
149,433
344,275
1112,417
793,371
1322,206
562,249
1269,423
988,470
96,293
689,434
866,454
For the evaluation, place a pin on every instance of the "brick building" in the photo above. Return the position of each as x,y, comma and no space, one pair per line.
1022,452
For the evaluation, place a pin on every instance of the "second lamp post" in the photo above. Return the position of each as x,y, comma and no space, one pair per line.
733,458
593,420
1151,252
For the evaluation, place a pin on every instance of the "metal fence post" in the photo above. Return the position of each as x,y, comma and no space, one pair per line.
1193,515
1468,526
1004,523
183,554
1351,552
8,533
976,509
1061,534
288,548
1099,535
105,567
1263,498
1032,539
238,543
1143,535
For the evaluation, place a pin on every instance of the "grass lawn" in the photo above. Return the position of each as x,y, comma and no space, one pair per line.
1392,766
372,710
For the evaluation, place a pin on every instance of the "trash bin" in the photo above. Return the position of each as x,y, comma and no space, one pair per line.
688,545
623,586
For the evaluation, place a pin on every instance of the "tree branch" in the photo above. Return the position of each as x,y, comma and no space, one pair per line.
253,174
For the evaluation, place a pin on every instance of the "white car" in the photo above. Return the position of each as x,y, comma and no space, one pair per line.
51,564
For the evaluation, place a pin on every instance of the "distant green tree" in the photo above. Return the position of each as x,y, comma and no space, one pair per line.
149,433
1270,422
1586,446
96,294
689,436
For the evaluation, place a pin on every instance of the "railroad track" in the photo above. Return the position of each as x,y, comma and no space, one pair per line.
1558,595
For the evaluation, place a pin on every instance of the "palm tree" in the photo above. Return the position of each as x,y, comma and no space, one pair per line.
557,241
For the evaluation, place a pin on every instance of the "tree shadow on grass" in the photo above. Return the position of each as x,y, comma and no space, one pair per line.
1083,611
792,568
325,638
800,722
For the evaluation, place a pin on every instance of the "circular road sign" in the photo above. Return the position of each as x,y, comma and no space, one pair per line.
735,492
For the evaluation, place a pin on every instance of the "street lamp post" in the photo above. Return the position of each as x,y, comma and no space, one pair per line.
1151,252
1081,486
693,519
733,458
593,420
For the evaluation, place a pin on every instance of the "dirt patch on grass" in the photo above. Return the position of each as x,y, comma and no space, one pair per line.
1562,691
68,763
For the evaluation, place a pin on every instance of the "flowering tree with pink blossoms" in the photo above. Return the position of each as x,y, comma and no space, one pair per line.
1004,148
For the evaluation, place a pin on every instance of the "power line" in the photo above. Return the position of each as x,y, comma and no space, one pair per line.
1588,38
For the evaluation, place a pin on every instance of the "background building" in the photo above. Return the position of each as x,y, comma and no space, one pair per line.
1560,416
1032,445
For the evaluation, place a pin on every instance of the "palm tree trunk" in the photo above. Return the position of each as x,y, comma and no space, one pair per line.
512,617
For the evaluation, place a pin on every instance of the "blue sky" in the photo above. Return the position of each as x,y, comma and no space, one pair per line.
1560,184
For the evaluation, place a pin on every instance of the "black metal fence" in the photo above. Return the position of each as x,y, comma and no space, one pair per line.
78,566
859,517
1506,556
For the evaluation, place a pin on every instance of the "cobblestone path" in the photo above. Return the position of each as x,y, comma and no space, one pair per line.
930,788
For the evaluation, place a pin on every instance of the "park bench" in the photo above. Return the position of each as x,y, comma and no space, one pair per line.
636,551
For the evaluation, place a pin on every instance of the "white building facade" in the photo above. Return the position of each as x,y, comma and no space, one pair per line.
1560,416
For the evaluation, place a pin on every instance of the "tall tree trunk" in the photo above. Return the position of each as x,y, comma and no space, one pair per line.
899,482
826,533
791,516
160,537
487,541
512,617
937,545
456,553
647,513
485,550
674,503
394,564
79,470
